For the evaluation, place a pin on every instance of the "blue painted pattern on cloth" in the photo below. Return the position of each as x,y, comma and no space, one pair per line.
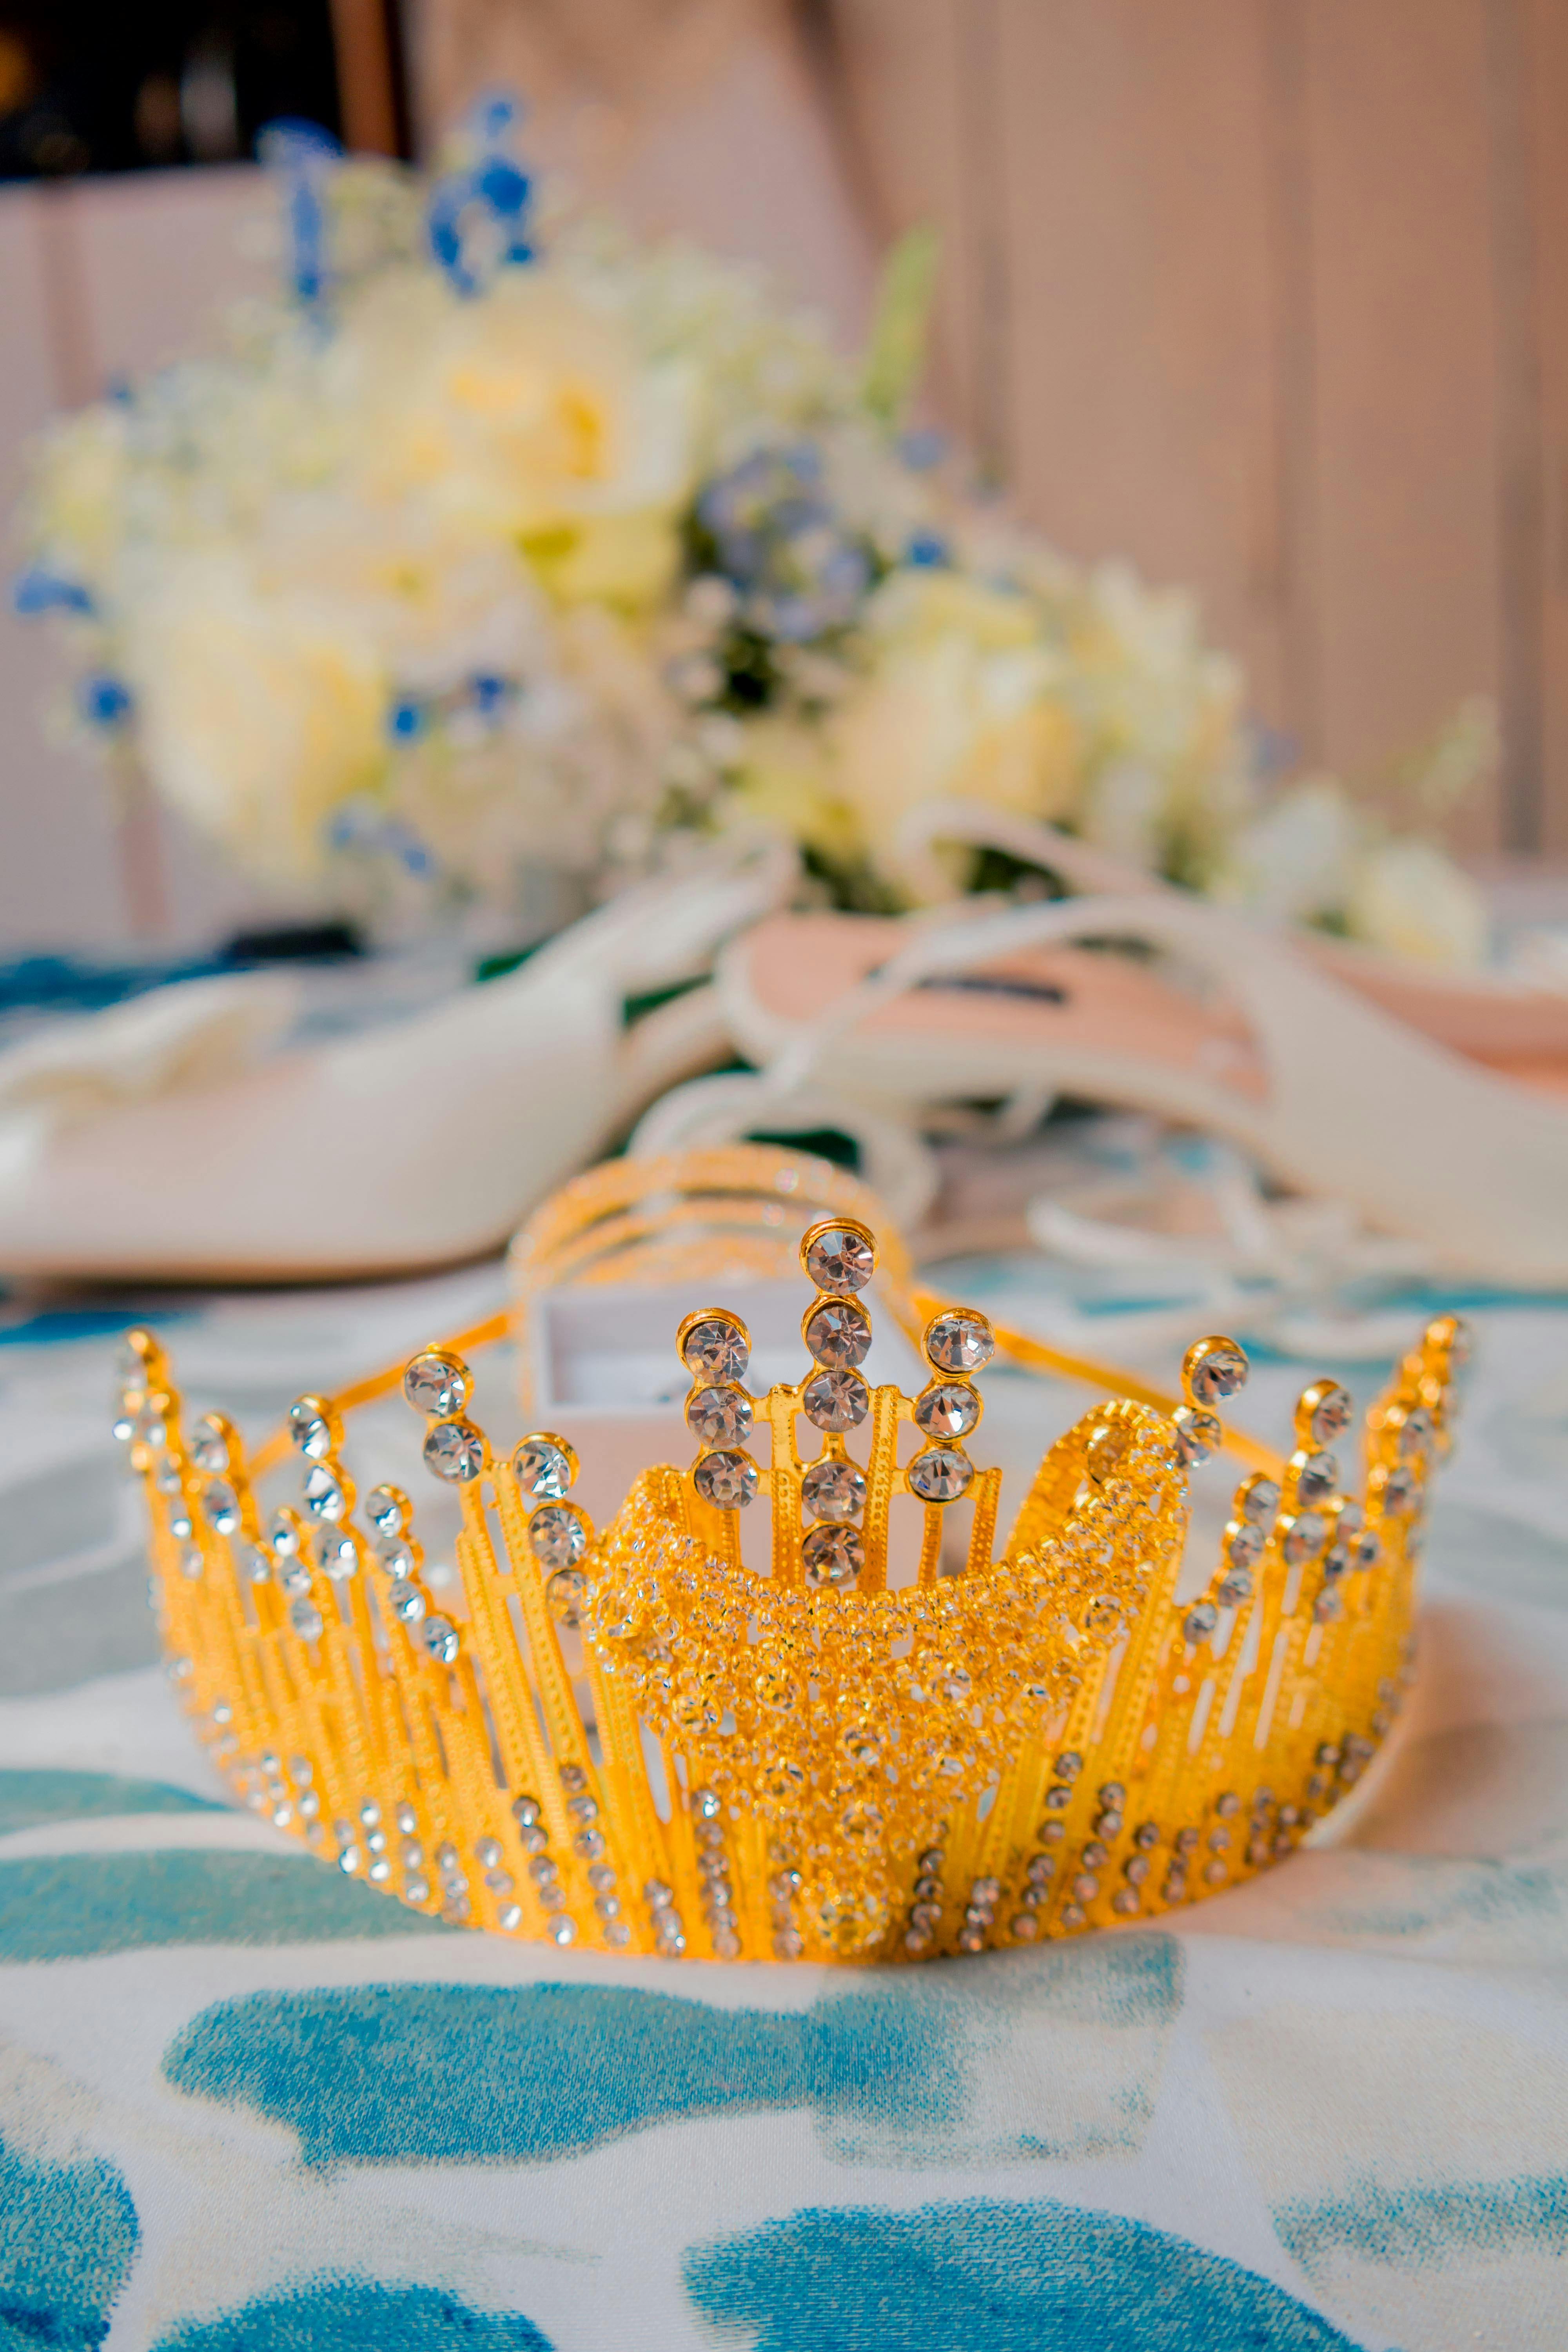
384,2074
359,2316
988,2277
68,2235
64,1907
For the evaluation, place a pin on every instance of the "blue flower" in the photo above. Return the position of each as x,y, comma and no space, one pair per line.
38,591
476,221
104,702
305,155
405,720
777,538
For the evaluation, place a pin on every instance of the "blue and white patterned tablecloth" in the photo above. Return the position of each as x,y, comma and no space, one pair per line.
246,2104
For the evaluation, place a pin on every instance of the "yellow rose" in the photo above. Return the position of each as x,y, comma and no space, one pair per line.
963,703
781,773
526,414
258,714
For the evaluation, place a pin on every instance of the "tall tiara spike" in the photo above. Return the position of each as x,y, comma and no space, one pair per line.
872,1748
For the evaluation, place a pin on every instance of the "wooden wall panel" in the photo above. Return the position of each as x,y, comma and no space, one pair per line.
104,278
1142,398
1405,345
60,874
1543,46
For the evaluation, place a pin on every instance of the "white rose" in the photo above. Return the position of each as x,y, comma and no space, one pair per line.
259,715
1408,898
1293,861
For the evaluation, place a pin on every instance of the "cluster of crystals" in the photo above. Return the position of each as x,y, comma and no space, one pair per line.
795,1701
840,1258
559,1532
715,1879
924,1920
499,1882
784,1884
543,1869
668,1927
958,1344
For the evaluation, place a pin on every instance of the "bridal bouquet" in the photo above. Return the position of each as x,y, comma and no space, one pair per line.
498,550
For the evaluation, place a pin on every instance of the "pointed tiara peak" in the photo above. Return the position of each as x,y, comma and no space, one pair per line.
878,1736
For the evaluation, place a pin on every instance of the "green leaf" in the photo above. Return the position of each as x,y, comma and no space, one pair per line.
900,326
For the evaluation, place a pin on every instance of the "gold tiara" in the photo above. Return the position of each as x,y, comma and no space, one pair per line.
627,1739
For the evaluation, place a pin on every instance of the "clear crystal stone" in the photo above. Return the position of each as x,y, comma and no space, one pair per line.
1198,1434
1368,1550
209,1447
557,1535
220,1506
542,1468
1236,1588
387,1511
130,1368
436,1385
564,1593
1417,1433
1244,1548
833,1490
324,1498
1218,1375
947,1409
152,1429
835,1401
719,1416
833,1555
716,1349
294,1576
397,1555
441,1640
1400,1490
562,1928
839,1335
941,1473
282,1535
309,1430
254,1564
406,1601
1260,1502
1303,1537
960,1341
306,1619
1318,1478
727,1480
335,1554
454,1450
841,1260
192,1564
1200,1621
1332,1415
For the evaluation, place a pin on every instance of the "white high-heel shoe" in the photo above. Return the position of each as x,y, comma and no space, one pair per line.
1322,1088
415,1145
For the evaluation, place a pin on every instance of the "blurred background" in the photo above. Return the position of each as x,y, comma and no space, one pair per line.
1269,296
